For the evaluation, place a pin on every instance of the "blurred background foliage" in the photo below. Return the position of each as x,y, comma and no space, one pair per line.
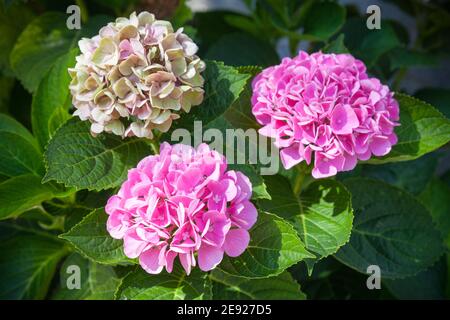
410,53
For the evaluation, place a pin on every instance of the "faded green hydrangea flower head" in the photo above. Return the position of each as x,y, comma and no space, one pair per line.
138,74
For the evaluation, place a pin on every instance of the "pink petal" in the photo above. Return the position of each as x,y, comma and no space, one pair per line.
244,186
344,119
245,215
186,262
380,146
209,257
117,224
325,167
268,131
113,204
189,179
133,245
150,262
291,156
349,162
170,257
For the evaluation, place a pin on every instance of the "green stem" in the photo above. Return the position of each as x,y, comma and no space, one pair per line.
83,9
68,196
154,144
155,141
44,212
56,222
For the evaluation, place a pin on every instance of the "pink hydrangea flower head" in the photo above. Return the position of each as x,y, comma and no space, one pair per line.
182,203
324,108
136,75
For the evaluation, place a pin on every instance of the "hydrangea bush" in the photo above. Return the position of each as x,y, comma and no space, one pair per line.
91,177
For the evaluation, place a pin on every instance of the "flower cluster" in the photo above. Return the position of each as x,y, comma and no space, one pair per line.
326,106
182,202
135,76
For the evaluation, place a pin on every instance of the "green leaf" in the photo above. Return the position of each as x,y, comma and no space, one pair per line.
241,49
182,15
21,193
27,263
97,282
332,280
43,41
323,19
6,87
13,20
74,215
258,186
51,101
322,215
422,129
211,25
223,85
412,176
9,124
326,220
224,122
93,241
369,45
77,159
281,287
391,229
243,23
233,151
436,199
283,202
274,247
336,46
406,58
20,153
140,285
426,285
240,115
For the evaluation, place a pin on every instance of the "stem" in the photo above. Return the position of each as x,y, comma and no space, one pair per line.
68,196
154,144
83,9
44,212
56,222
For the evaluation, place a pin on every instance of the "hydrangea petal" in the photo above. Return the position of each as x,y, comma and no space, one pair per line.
236,242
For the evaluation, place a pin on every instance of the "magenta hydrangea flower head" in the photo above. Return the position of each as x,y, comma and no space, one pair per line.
137,75
324,108
182,203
